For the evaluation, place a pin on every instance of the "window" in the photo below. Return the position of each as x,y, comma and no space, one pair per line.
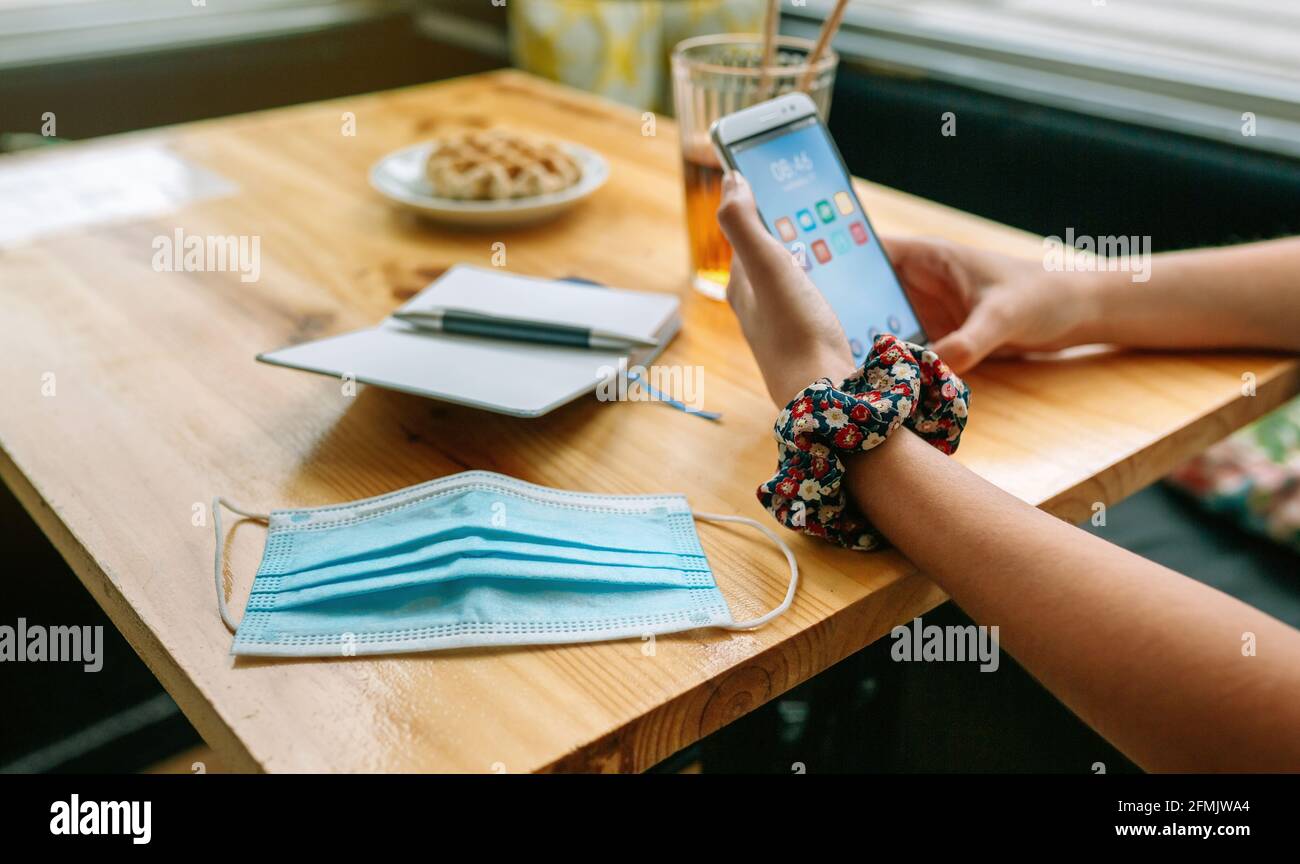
40,31
1228,69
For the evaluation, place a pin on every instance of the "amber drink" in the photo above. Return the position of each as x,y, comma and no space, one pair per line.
714,76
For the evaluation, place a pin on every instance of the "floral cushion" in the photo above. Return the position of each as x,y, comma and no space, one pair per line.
1253,477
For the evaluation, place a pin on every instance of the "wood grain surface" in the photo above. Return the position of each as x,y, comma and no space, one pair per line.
159,405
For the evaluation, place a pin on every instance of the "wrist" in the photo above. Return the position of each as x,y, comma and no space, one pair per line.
825,365
900,386
1088,296
867,462
872,473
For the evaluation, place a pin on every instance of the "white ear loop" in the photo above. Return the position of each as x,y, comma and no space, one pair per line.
218,565
789,557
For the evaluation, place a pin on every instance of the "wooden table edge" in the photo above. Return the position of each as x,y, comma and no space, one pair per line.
196,707
605,751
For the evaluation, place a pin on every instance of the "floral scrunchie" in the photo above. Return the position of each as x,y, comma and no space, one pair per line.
823,424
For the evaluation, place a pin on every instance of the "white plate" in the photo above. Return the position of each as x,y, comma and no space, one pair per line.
400,177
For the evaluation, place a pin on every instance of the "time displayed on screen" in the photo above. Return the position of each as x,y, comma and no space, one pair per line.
789,168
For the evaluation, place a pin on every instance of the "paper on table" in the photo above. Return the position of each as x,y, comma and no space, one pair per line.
61,188
499,293
524,379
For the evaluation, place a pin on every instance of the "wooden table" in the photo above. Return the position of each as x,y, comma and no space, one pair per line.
159,405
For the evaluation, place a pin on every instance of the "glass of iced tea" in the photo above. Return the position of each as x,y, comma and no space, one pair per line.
714,76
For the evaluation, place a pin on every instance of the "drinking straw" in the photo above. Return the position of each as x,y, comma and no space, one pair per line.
829,29
771,23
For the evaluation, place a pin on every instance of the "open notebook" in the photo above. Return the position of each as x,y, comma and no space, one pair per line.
526,379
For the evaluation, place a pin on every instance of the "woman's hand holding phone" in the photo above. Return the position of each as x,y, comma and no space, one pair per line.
975,303
794,334
972,303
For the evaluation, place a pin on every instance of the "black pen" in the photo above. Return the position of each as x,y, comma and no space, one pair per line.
467,323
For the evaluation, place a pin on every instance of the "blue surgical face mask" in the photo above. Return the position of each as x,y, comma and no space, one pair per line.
478,559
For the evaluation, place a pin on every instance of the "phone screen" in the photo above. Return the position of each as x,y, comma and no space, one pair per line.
807,201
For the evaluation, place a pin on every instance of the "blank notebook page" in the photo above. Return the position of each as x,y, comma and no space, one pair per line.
494,292
520,378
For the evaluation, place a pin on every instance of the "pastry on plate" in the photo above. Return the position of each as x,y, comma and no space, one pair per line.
498,164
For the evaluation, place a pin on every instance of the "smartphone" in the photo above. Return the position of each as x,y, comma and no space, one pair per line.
806,200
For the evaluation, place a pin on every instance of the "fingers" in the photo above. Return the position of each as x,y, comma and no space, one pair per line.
903,249
982,332
740,293
925,263
764,259
956,283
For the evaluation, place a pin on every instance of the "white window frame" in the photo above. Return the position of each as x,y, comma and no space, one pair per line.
72,30
1145,91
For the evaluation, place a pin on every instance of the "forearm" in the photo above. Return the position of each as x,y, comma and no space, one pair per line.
1240,296
1149,658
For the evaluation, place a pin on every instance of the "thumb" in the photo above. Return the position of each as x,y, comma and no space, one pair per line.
761,254
975,339
901,250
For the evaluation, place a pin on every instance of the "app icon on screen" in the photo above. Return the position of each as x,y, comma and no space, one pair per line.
844,203
785,228
799,252
859,232
821,251
840,241
824,211
894,324
855,345
872,334
806,221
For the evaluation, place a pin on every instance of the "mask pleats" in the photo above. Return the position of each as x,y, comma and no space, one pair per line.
487,562
523,565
